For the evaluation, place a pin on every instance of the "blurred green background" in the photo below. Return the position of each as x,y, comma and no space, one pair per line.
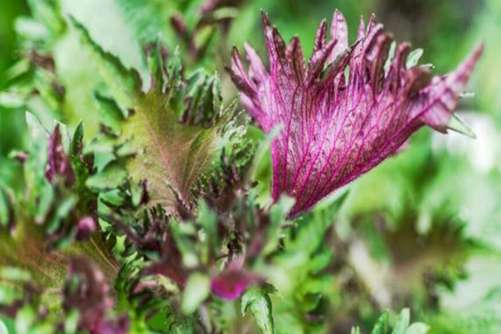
422,230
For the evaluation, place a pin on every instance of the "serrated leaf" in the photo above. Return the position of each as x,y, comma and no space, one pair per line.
258,303
110,178
124,83
114,34
111,114
170,155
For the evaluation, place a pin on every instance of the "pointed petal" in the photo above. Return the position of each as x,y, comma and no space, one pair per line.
318,61
380,54
361,29
257,69
275,45
444,93
320,36
416,79
397,67
295,57
339,32
239,76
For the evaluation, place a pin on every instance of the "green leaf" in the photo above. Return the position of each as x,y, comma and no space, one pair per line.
111,114
170,154
402,323
208,220
110,178
24,320
355,330
11,100
14,274
71,322
114,34
418,328
3,328
258,303
382,324
278,214
196,291
124,83
150,19
6,214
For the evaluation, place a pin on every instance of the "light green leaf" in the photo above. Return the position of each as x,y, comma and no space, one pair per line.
123,82
355,330
418,328
71,322
3,328
258,303
14,274
24,320
403,321
109,28
196,291
278,214
382,324
111,177
208,220
11,100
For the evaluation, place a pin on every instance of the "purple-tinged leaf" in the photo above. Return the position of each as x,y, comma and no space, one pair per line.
58,163
87,291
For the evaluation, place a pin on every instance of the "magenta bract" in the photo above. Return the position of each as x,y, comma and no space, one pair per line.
231,283
345,110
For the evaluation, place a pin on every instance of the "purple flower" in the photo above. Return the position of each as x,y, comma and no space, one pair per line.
85,227
345,110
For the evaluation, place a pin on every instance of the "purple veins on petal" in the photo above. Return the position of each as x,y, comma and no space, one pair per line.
341,113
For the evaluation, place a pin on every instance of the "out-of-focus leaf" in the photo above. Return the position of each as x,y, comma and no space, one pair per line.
418,328
258,303
278,214
382,324
402,322
110,178
196,291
